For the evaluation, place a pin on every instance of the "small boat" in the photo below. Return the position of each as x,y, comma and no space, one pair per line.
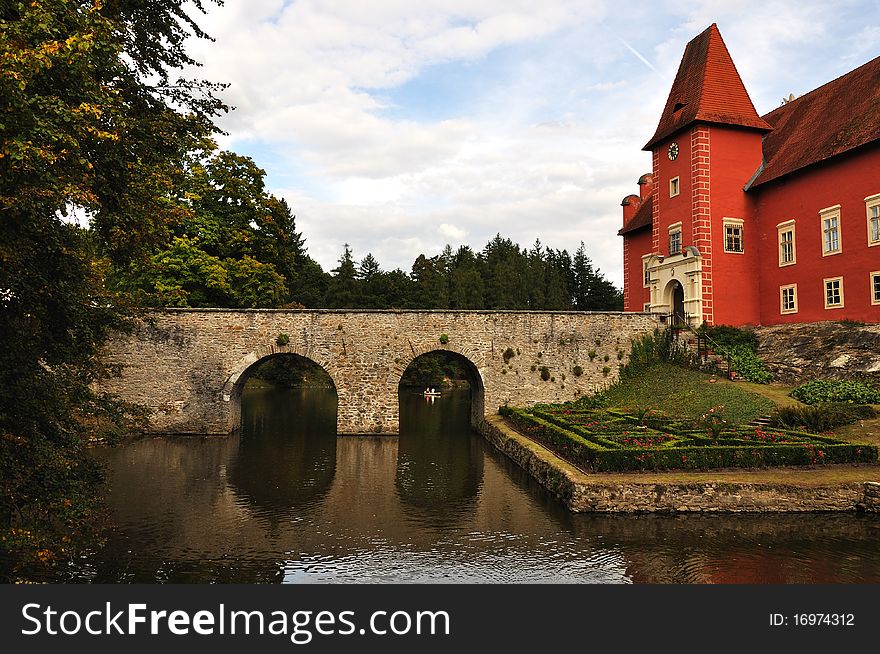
434,394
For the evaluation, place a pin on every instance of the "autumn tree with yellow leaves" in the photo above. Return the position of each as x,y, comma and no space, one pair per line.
95,123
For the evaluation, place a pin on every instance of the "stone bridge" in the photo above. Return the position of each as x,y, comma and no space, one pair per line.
188,366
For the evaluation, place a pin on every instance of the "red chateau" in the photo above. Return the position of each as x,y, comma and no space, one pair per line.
757,220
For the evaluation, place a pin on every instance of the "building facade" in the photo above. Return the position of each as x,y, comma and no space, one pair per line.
757,220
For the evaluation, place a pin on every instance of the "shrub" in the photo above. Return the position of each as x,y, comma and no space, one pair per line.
282,339
747,364
533,368
577,371
820,418
727,337
714,421
656,347
591,354
828,390
606,371
606,358
545,373
508,355
444,338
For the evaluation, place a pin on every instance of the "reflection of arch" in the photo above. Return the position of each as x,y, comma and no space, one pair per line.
287,456
465,356
673,297
439,459
244,367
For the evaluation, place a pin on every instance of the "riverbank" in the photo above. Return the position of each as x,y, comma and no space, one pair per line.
831,488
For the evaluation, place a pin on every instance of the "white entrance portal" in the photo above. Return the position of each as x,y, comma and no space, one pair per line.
677,286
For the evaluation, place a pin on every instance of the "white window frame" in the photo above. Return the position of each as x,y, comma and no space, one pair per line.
735,223
647,307
784,228
788,287
825,283
674,187
872,211
873,280
826,215
646,282
673,229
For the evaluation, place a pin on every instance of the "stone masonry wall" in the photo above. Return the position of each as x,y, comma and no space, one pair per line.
189,365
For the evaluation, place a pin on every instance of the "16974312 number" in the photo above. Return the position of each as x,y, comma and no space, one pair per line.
824,619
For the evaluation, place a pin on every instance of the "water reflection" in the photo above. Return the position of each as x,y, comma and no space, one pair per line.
286,500
287,457
439,461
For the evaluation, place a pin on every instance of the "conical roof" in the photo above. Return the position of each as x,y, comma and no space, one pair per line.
708,89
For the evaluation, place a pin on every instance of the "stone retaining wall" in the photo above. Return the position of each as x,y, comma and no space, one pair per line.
583,492
872,497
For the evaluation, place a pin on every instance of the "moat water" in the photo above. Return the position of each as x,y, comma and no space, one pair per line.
286,500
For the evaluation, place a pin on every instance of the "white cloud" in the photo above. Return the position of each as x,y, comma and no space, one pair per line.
451,232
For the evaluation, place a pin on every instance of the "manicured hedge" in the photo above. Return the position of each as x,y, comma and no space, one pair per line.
694,451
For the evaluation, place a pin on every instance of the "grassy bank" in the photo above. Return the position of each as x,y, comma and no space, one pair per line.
686,393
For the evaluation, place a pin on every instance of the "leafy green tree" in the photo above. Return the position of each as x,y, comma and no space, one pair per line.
311,286
93,123
233,245
535,276
557,290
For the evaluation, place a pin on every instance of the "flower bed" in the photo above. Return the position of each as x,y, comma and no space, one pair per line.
601,441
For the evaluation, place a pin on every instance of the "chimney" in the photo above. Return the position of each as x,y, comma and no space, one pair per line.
630,204
646,183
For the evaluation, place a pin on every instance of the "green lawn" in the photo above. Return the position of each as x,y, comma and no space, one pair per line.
685,393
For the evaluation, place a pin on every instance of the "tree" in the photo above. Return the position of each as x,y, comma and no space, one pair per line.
467,289
431,286
535,276
232,245
343,288
368,268
506,269
91,123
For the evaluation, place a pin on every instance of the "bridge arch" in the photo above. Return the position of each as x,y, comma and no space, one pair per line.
244,368
462,355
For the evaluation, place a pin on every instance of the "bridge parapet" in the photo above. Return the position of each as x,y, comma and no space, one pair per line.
189,365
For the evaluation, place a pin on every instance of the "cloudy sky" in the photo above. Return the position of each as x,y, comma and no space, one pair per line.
401,125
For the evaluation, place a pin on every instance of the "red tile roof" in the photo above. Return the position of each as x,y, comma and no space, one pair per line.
708,89
643,217
835,118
